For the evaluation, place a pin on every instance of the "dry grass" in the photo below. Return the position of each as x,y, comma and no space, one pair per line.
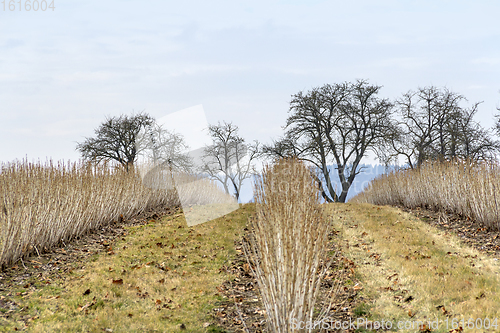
471,190
192,189
161,277
201,197
42,205
290,238
399,256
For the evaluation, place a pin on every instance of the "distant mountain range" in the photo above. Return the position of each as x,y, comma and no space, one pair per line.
369,172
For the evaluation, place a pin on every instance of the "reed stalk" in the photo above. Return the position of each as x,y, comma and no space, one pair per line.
461,187
44,204
288,243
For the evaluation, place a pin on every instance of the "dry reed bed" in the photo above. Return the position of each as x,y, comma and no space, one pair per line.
42,205
469,189
290,238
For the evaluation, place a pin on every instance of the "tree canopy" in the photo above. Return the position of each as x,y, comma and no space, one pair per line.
116,140
434,125
336,124
229,159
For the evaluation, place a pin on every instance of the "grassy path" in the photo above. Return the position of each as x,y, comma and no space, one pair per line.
161,277
411,271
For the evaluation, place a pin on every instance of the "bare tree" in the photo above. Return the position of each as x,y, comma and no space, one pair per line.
229,159
470,139
434,126
165,148
421,114
285,149
336,124
497,123
116,140
166,157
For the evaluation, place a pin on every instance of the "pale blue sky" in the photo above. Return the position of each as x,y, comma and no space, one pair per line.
63,71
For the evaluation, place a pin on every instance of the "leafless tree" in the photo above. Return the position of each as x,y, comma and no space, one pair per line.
165,148
286,148
421,113
497,123
470,140
116,140
229,159
336,124
166,156
434,126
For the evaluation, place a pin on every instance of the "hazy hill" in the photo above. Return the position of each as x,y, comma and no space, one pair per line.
360,182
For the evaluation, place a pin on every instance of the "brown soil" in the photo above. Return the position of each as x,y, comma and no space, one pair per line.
471,232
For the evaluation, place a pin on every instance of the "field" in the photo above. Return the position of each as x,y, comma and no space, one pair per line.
156,276
154,273
412,271
145,284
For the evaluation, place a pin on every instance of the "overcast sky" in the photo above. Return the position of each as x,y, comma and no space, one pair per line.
63,71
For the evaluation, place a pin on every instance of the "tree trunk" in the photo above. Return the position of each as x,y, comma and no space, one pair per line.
343,195
322,190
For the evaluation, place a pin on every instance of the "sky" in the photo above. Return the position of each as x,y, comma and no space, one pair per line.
63,71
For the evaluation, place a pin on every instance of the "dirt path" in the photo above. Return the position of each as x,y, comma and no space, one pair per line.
243,310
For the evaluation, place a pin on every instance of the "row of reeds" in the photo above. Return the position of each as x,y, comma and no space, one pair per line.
44,204
289,239
462,187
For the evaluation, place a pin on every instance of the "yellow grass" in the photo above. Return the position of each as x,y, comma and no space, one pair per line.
400,256
161,276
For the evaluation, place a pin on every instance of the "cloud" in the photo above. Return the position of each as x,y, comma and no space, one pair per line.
65,127
407,63
191,123
241,60
487,61
11,43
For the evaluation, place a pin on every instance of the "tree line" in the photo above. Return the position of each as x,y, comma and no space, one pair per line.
334,124
123,139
